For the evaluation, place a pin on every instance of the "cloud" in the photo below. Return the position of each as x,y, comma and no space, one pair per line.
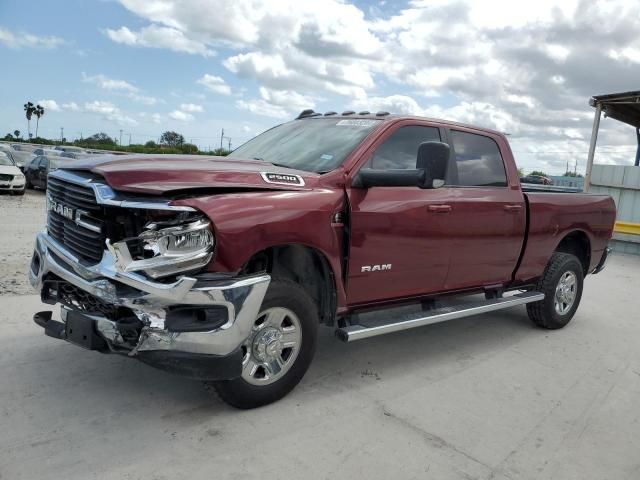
110,112
49,105
215,84
27,40
144,99
191,107
112,84
277,103
71,106
528,68
107,83
159,37
181,116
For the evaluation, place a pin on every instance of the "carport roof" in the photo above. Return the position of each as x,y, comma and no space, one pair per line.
624,107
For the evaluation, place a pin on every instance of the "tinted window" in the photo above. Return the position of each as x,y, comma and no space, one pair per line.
400,150
478,161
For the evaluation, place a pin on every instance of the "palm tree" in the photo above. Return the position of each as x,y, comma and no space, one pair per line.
39,111
16,133
29,109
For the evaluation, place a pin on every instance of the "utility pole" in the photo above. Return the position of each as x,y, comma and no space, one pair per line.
61,134
221,138
120,137
229,143
129,138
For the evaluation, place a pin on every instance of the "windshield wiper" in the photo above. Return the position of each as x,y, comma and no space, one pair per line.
272,163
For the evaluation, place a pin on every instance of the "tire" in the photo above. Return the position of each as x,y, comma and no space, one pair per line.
556,311
28,184
251,391
21,192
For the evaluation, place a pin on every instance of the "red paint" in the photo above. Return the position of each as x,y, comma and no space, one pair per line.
437,241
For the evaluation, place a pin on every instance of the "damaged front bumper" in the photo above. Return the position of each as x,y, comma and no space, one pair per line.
161,337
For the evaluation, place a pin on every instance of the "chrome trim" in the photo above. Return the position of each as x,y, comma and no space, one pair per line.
358,332
299,179
105,195
148,300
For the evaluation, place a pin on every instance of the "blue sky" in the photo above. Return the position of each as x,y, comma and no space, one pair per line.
197,66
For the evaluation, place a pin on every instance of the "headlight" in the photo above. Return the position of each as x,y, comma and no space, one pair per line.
19,177
166,250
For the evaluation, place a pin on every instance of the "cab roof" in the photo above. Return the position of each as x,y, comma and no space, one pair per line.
386,116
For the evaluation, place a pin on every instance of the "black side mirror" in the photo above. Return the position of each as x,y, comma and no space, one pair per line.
433,159
369,177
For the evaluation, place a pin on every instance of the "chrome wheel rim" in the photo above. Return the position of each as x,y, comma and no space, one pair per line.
565,293
272,347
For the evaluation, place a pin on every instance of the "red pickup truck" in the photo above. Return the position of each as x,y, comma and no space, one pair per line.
222,268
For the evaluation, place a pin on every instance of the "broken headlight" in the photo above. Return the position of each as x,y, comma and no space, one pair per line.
165,248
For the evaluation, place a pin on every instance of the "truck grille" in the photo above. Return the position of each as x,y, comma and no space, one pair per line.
83,242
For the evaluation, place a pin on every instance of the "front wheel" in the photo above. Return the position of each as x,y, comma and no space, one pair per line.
561,284
278,350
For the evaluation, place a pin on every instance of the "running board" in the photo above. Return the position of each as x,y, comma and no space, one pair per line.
420,319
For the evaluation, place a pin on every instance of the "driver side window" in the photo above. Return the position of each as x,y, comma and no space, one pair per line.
400,150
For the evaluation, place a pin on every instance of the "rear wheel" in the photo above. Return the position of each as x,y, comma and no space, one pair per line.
278,350
561,284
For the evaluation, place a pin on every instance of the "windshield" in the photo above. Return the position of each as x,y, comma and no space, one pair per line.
314,145
5,160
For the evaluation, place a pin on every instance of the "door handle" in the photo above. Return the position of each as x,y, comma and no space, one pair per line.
439,208
513,208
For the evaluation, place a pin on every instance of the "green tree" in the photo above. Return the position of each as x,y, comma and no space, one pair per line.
29,110
572,174
39,111
520,172
172,139
16,133
98,139
539,173
151,144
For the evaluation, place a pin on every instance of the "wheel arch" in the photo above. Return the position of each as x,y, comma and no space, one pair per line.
305,265
578,243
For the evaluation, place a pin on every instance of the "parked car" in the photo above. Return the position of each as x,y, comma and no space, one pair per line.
11,178
10,152
37,171
537,180
222,268
75,155
69,148
20,157
44,151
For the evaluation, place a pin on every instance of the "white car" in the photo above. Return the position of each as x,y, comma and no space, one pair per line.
11,178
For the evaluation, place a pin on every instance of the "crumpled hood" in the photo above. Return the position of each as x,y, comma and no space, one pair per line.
159,174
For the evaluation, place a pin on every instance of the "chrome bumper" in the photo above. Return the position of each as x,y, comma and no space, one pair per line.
149,300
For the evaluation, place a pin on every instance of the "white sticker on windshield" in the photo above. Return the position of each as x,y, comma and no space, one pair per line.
357,122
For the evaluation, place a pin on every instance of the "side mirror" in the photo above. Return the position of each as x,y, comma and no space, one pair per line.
433,159
369,177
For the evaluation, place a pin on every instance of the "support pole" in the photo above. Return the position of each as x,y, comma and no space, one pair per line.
592,146
637,162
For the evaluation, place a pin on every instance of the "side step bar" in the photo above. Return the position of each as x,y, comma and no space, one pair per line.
420,319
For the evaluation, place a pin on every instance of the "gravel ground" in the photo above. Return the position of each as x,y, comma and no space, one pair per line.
22,217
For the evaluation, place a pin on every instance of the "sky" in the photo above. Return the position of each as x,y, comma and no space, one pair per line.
142,67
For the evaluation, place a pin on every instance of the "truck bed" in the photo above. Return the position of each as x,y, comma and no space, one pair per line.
551,217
